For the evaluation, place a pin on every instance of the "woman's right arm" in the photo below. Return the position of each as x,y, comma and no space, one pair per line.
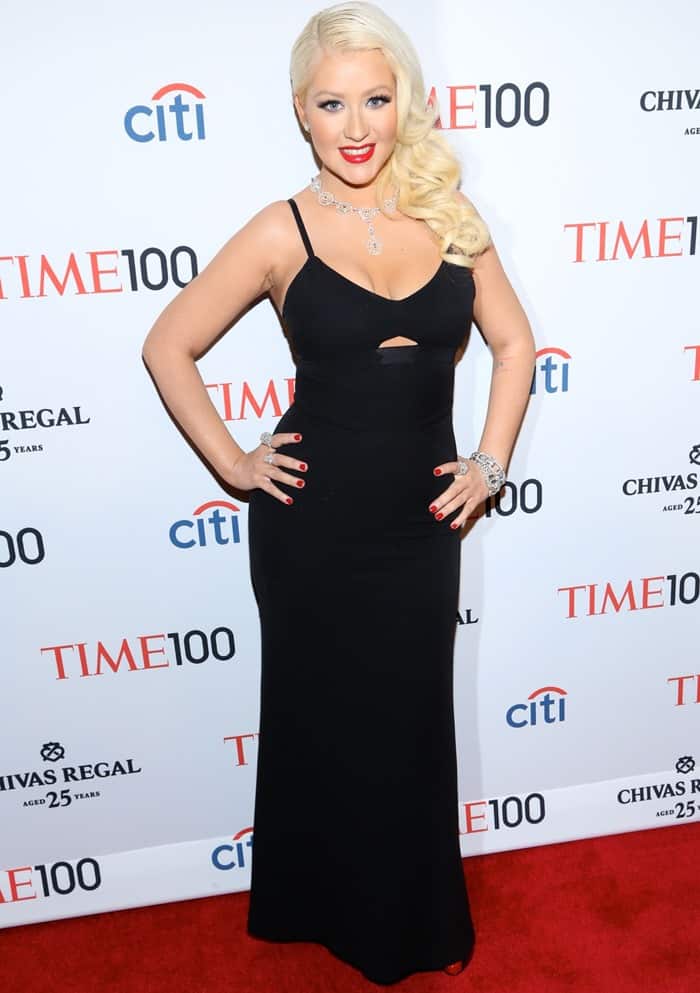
241,271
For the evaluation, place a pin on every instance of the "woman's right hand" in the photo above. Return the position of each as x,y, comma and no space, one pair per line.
250,471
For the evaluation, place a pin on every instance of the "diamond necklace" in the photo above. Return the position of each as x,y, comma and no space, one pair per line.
326,199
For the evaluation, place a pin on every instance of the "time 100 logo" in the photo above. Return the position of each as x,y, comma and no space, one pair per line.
527,497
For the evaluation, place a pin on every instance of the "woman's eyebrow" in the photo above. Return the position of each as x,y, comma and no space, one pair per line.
330,93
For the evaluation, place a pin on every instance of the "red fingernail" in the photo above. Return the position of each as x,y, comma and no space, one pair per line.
437,472
302,466
453,525
297,437
432,508
300,482
289,500
439,517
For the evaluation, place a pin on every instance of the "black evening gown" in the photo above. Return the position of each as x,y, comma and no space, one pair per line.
355,833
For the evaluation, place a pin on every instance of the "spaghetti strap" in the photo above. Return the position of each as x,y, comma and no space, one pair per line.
300,225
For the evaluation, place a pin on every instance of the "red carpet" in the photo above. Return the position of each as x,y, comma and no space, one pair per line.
606,915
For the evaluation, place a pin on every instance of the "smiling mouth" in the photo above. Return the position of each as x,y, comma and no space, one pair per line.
356,153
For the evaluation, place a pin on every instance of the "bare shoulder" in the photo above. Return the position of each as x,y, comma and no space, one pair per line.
256,253
276,219
272,226
246,267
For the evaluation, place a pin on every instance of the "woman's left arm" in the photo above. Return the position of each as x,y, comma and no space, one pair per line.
504,324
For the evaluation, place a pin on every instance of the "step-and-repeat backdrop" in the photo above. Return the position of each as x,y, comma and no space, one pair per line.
135,143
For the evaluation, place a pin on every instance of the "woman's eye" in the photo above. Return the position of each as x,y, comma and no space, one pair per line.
333,105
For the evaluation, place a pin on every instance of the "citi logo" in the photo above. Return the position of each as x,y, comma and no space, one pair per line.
547,705
552,375
236,855
615,241
179,118
216,528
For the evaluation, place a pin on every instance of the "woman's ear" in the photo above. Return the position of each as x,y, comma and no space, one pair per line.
300,113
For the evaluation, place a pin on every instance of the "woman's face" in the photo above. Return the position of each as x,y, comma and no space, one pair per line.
350,106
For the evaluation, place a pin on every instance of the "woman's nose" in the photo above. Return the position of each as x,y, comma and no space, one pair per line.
355,126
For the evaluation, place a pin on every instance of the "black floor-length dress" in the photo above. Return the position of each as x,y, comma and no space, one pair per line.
355,833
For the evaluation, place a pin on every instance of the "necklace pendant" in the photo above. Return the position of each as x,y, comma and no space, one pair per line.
327,199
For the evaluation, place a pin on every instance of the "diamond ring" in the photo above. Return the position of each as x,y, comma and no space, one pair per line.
269,457
463,467
266,438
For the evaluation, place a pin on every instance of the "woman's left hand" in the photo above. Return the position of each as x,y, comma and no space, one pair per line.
467,492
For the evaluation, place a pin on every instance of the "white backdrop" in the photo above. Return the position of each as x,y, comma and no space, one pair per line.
129,675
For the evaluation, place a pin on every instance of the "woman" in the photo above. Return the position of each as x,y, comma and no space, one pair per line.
357,500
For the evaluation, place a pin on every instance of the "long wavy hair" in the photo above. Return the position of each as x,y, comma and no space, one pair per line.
423,167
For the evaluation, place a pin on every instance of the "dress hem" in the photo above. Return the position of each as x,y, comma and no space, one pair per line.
335,950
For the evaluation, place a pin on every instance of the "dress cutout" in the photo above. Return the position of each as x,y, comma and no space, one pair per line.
355,833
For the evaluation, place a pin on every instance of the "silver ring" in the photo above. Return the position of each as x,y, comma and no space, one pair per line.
463,467
266,438
268,458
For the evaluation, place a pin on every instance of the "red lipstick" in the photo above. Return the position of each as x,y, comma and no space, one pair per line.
357,153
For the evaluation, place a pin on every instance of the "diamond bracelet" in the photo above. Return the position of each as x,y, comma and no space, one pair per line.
493,471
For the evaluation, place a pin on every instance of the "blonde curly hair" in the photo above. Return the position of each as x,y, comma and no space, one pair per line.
422,168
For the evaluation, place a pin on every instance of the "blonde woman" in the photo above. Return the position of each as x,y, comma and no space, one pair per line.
357,500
